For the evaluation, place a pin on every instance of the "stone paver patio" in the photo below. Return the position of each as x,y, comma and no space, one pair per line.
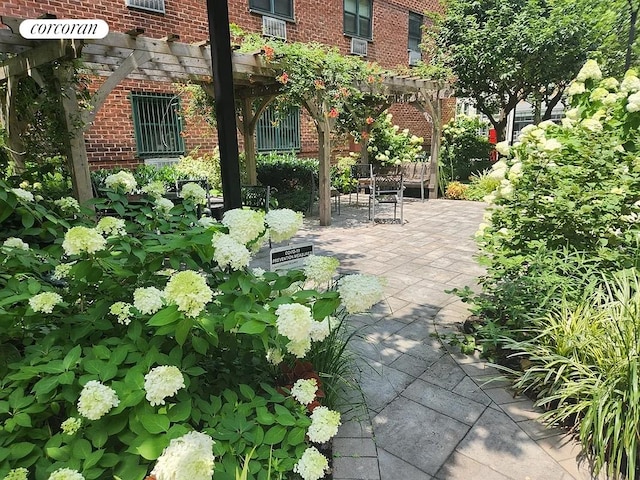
433,413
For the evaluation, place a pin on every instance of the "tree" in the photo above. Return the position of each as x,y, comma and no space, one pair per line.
505,51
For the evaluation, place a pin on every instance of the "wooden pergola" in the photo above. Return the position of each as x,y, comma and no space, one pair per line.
132,55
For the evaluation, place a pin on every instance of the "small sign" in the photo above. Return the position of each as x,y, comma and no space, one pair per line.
289,257
43,29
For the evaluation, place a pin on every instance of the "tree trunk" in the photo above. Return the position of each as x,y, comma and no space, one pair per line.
13,129
632,34
324,171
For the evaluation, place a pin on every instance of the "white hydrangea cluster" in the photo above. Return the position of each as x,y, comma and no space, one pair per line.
44,302
258,272
148,300
299,348
163,206
23,195
17,474
96,400
324,425
312,465
112,226
321,330
206,221
633,102
229,252
294,321
62,270
244,225
575,88
630,84
590,70
71,425
66,474
189,457
499,169
82,239
551,145
610,84
283,224
274,356
68,204
162,382
17,243
122,311
592,124
360,292
194,192
304,390
155,189
189,291
123,179
320,269
503,148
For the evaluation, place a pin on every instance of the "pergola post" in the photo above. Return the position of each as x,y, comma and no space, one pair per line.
248,127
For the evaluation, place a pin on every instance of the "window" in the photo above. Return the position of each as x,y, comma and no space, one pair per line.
151,5
415,32
274,132
157,125
279,8
357,18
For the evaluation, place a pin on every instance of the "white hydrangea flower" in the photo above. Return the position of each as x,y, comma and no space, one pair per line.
194,192
163,206
551,145
23,195
630,84
230,252
573,113
610,84
499,169
147,300
633,102
112,226
189,457
189,291
155,189
304,390
515,172
592,124
360,292
545,124
66,474
274,356
320,269
503,148
598,94
17,243
162,382
324,425
122,310
283,224
294,321
68,204
244,225
590,70
299,348
96,400
17,474
71,425
44,302
320,330
506,189
82,239
206,221
122,179
312,465
62,270
258,272
576,88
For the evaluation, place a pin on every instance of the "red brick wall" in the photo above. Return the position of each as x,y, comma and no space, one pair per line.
110,139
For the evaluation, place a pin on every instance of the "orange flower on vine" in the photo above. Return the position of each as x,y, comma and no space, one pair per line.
269,52
283,79
333,113
319,84
369,120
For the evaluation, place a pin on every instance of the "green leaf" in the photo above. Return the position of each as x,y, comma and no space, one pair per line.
72,357
81,448
22,419
33,286
165,316
182,330
62,454
155,423
296,436
325,307
199,344
92,459
247,392
27,220
97,436
242,304
180,412
252,327
20,450
45,385
151,448
275,435
66,378
286,420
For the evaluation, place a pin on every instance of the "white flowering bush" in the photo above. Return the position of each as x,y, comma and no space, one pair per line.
388,145
128,339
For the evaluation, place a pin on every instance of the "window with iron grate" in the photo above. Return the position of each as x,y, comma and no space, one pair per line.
277,133
151,5
157,125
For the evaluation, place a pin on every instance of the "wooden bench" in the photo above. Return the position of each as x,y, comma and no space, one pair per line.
415,175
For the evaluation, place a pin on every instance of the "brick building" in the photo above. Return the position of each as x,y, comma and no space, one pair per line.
139,120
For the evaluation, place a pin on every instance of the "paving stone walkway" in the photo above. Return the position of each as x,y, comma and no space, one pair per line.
433,413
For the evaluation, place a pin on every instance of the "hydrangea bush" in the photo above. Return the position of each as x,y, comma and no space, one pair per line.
388,145
143,345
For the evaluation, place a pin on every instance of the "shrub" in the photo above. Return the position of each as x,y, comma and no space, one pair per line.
290,176
388,145
456,191
464,151
481,184
341,177
119,337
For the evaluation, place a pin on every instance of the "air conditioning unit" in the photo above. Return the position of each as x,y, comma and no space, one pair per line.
414,57
274,27
359,47
151,5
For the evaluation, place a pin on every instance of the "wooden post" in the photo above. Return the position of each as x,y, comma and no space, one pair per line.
248,127
434,174
218,15
75,146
